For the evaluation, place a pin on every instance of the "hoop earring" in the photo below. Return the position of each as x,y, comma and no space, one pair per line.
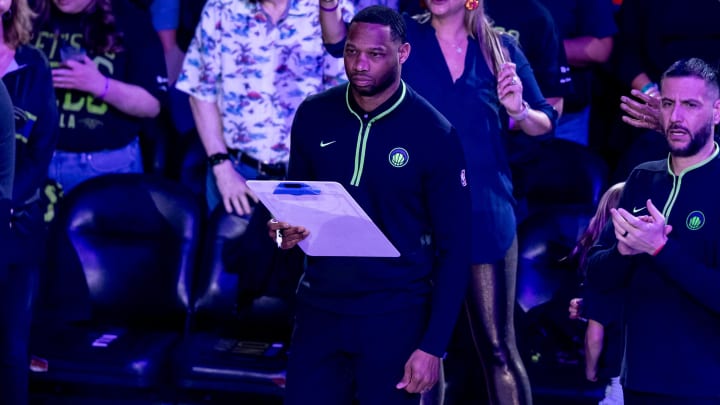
471,5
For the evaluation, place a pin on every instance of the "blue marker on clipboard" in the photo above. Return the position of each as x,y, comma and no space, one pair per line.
296,189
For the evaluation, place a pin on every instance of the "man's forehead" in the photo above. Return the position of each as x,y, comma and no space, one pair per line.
369,31
686,87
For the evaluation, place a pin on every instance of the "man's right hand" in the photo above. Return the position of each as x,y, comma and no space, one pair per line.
291,234
235,193
575,308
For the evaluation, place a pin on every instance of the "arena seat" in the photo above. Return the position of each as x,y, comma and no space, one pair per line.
123,251
239,334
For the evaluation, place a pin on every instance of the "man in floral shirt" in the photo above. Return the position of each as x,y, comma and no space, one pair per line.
247,69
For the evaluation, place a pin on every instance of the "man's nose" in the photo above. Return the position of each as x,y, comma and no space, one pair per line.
361,63
676,113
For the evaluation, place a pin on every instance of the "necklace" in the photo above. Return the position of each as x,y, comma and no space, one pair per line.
457,47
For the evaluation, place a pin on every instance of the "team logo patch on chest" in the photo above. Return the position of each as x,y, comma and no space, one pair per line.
695,220
398,157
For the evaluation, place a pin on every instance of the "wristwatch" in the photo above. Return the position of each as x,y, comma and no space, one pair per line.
217,158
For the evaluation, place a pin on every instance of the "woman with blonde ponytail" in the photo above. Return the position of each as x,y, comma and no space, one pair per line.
482,83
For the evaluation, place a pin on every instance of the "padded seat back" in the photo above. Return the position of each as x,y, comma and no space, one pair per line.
136,239
223,297
129,242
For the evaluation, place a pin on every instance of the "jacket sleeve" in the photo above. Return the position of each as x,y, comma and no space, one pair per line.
696,279
607,269
531,90
449,206
31,171
7,168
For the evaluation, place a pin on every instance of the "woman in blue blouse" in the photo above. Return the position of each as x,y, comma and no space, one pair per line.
481,81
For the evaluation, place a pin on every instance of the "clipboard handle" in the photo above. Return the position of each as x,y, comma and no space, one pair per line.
296,189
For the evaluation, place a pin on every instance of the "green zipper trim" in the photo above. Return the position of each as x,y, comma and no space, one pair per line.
364,133
677,181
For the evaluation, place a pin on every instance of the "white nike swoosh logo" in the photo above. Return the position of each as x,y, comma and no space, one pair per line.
324,144
636,210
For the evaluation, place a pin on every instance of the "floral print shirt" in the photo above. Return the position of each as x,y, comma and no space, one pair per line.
259,72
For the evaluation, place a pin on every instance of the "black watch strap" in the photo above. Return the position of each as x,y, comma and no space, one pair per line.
217,158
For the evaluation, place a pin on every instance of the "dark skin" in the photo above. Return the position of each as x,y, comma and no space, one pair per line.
372,63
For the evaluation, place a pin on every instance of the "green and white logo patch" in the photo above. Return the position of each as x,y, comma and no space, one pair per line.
695,220
398,157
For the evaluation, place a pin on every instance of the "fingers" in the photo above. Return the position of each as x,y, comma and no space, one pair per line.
637,123
654,212
668,229
643,113
508,85
508,80
655,101
635,110
228,205
239,204
621,226
630,219
252,195
407,376
574,308
292,235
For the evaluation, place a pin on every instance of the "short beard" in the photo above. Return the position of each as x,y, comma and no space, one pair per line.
697,141
381,86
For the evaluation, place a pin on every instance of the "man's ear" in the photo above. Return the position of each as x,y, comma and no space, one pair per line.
716,112
404,52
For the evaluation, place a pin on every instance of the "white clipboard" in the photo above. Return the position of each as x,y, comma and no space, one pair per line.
338,225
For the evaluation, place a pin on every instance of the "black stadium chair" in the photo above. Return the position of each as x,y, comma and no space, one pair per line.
125,248
239,335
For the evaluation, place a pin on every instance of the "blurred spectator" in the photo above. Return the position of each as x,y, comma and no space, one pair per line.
26,73
7,155
109,73
652,35
247,69
603,311
531,24
166,18
587,28
7,169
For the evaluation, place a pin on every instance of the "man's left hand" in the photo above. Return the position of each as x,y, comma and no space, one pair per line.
640,235
422,371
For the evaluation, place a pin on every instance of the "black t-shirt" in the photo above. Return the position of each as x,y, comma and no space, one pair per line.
580,18
86,123
533,26
656,33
